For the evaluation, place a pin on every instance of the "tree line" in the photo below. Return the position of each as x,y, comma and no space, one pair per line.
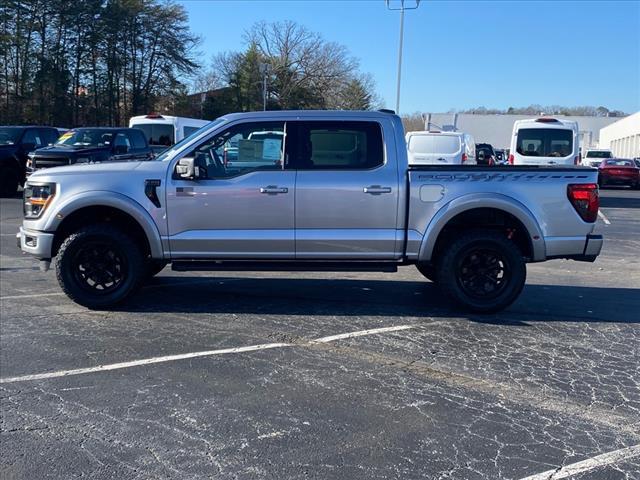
99,62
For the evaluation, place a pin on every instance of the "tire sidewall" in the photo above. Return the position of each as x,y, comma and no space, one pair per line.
66,258
449,276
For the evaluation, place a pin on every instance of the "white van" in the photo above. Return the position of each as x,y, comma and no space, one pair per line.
440,148
594,156
163,131
544,141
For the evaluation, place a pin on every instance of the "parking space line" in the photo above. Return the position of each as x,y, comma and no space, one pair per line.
609,458
31,295
603,217
207,353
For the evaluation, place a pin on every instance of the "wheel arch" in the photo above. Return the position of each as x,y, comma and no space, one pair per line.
92,207
484,211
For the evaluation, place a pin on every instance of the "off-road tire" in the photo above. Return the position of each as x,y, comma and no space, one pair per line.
75,250
428,271
154,267
456,268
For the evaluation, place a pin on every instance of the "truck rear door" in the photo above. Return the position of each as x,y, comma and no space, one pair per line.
346,196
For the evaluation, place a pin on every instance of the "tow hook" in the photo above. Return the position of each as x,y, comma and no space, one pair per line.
45,265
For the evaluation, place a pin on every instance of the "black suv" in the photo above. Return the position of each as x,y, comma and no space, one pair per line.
92,145
488,156
15,145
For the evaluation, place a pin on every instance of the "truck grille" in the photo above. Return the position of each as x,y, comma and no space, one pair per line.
48,162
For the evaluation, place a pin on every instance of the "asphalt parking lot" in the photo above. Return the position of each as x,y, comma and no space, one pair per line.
255,376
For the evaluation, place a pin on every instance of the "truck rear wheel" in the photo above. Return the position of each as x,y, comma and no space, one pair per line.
483,271
99,266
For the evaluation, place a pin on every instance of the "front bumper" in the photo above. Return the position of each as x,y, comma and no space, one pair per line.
33,242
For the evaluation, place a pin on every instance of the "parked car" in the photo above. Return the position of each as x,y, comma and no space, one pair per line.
15,145
485,154
92,145
593,157
619,171
346,201
163,131
544,141
440,148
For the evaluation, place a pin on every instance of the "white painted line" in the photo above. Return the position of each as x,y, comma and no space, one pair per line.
207,353
609,458
604,219
360,333
146,361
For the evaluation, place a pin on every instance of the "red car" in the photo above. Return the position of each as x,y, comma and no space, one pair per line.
619,171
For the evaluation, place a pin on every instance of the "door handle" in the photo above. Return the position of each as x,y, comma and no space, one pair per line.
273,190
376,189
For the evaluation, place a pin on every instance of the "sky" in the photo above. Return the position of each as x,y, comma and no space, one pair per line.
461,54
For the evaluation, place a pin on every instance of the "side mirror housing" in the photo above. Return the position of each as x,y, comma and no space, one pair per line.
187,169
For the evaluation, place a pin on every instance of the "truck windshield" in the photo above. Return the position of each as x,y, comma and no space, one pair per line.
9,135
545,142
86,137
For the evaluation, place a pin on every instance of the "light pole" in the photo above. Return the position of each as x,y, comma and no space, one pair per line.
402,9
265,70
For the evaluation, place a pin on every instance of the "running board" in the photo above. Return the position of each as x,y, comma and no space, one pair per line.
280,266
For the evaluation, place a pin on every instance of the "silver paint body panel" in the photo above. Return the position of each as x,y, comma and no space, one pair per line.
323,214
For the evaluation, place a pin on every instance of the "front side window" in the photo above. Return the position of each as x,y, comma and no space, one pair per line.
544,142
32,138
327,145
242,149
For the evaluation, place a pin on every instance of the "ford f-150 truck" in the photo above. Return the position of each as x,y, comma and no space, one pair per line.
332,192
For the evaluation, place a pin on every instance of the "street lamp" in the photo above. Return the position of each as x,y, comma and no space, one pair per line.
264,69
402,9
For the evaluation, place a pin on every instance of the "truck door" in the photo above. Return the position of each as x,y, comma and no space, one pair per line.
346,192
241,211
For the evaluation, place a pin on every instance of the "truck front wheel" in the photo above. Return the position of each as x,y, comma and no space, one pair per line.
483,271
99,266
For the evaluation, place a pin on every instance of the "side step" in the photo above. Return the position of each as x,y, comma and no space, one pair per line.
280,266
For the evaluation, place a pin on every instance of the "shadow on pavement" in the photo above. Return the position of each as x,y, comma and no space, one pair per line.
345,297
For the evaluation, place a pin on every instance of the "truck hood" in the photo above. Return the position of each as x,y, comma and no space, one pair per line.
65,151
85,169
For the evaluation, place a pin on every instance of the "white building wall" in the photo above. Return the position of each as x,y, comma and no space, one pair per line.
497,129
623,137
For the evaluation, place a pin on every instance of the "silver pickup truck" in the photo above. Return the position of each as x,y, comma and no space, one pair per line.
331,192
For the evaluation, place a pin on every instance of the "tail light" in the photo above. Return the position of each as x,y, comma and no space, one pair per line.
511,159
464,157
585,199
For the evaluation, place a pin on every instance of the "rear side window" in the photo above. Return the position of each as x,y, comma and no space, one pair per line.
544,142
438,144
335,145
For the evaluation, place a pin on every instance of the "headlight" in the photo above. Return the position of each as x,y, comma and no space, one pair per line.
37,197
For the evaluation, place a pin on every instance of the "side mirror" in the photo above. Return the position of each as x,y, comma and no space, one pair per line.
188,170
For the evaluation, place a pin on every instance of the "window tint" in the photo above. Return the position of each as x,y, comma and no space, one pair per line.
49,135
189,130
242,149
32,137
545,142
122,140
335,145
439,144
157,134
620,163
137,139
597,154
